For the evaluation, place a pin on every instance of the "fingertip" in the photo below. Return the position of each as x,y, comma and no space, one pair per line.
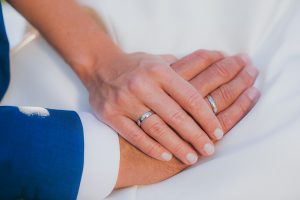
209,149
191,158
252,71
166,156
218,133
253,93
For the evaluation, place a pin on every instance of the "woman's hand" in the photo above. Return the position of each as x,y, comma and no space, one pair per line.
136,83
234,98
229,82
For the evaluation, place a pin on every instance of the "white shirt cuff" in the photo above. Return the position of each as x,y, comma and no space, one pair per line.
101,159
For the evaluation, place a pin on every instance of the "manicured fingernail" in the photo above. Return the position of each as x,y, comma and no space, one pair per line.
192,158
218,133
209,149
253,93
166,156
245,58
252,71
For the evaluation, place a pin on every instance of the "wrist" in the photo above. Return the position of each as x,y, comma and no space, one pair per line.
95,66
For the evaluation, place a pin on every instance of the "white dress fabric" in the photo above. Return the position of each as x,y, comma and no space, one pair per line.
260,157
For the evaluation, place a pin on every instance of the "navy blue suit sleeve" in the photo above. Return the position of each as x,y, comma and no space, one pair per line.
4,57
41,156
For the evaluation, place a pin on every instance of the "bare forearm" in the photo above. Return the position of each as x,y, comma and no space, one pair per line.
76,35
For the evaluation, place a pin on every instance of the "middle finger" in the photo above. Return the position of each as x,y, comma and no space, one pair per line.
179,120
219,73
225,95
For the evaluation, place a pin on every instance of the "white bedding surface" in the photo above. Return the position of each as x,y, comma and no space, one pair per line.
260,157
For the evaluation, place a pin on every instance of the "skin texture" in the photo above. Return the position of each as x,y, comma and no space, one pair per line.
128,95
134,164
234,96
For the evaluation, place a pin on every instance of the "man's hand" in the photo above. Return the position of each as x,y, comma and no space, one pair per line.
136,168
230,84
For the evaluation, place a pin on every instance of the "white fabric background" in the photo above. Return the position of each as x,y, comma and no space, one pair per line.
260,158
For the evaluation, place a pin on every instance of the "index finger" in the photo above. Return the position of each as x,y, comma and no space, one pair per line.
191,101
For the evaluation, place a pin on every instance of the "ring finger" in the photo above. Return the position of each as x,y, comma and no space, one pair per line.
155,127
179,120
225,95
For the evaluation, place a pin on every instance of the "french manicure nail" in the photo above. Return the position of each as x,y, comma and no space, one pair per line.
218,133
166,156
209,149
252,71
253,93
192,158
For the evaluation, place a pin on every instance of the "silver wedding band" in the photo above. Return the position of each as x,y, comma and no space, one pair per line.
144,117
212,103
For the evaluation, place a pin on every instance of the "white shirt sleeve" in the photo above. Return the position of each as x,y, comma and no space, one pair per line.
101,159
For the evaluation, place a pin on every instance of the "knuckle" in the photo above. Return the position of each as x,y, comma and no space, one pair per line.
222,68
199,139
225,122
135,84
194,100
178,149
156,69
178,117
135,137
226,93
151,149
157,129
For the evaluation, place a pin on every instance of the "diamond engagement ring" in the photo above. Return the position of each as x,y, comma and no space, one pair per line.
144,117
212,103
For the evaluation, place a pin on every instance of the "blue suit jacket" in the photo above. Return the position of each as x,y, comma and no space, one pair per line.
41,157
